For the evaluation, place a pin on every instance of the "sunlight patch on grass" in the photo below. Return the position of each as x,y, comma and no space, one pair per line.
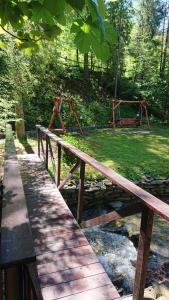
133,156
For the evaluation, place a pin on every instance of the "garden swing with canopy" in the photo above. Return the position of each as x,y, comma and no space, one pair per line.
132,122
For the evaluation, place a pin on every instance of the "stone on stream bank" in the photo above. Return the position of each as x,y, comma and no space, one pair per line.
105,193
156,292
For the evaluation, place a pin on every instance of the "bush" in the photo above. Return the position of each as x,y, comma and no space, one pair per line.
68,158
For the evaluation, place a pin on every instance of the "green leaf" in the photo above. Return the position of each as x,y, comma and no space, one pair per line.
83,41
110,34
93,9
102,52
76,26
51,31
9,13
2,45
86,28
76,4
56,9
102,8
96,15
41,15
29,47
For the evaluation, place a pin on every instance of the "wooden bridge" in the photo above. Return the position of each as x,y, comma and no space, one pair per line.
44,254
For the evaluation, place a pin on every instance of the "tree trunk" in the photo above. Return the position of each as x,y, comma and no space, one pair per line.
91,62
77,56
20,124
165,50
86,66
162,41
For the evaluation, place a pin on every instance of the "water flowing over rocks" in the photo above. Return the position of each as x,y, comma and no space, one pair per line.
117,254
115,244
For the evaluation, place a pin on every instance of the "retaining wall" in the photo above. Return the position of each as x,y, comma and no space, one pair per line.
105,193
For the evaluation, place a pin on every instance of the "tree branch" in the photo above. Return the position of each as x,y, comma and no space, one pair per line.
13,35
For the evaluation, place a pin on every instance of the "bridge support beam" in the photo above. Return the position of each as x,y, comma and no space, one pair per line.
143,252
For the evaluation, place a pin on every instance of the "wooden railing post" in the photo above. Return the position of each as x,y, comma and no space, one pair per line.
81,191
46,152
13,289
143,252
28,292
38,137
1,284
59,164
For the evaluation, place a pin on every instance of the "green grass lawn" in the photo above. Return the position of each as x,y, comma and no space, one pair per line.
131,155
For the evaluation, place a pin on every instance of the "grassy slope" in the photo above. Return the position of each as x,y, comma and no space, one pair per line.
130,155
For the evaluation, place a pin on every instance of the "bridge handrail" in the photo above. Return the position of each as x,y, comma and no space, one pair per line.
153,203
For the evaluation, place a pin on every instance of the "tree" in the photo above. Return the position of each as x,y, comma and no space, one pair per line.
144,47
120,15
147,53
7,103
164,39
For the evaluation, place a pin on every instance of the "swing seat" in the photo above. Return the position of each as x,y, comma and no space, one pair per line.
128,122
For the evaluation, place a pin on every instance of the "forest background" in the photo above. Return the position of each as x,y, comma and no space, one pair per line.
133,64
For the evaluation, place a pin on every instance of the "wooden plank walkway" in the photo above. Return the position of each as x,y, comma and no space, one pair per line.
66,266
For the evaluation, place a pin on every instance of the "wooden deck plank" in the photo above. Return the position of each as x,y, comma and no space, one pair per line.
52,236
76,286
61,244
59,265
51,219
71,274
107,292
69,255
44,233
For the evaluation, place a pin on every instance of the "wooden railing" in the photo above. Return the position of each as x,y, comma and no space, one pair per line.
148,204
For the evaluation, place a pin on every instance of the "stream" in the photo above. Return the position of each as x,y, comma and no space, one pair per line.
115,245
